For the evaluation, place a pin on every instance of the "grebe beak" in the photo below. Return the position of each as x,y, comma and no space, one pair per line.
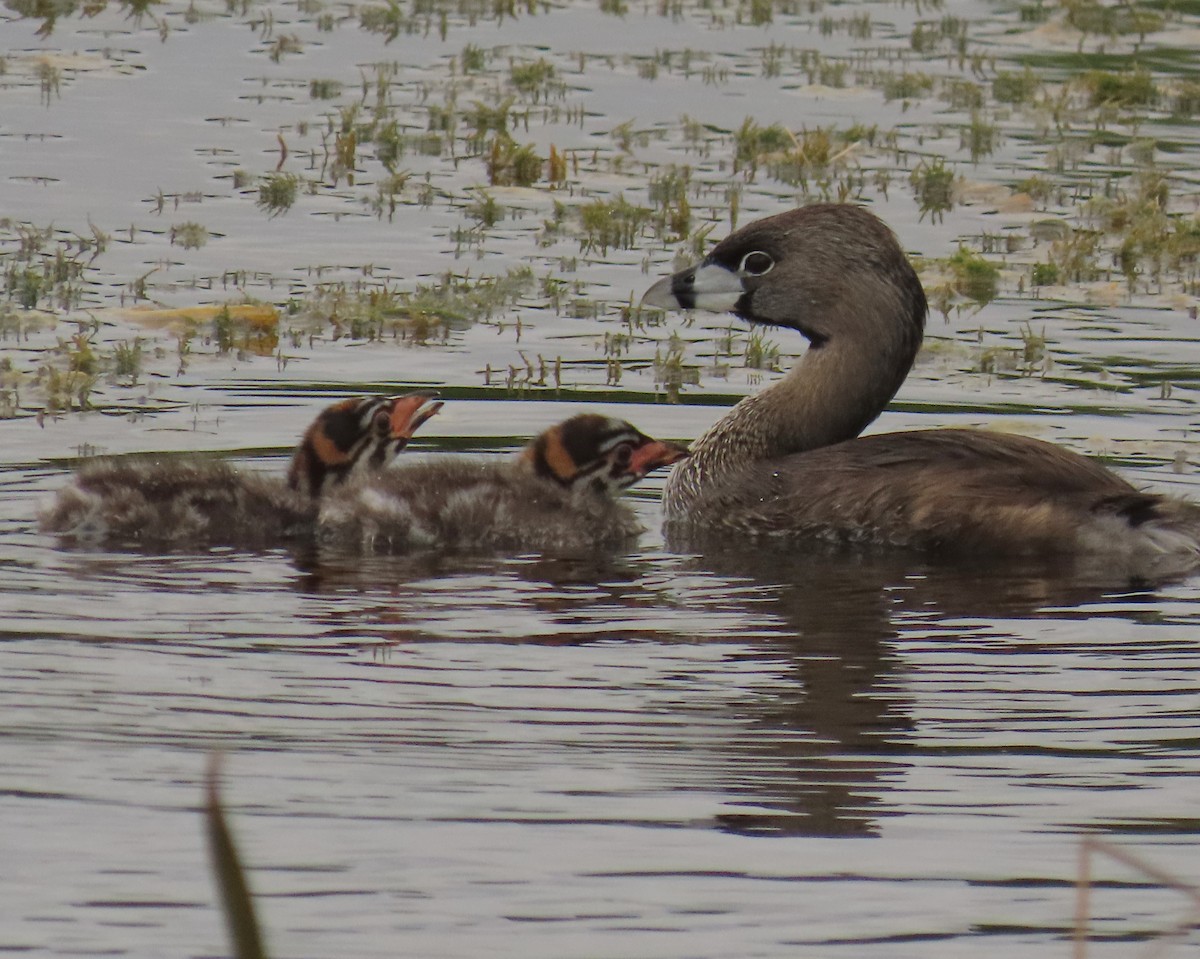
653,454
409,412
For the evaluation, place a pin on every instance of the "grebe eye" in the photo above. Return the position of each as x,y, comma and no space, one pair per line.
381,422
756,263
623,454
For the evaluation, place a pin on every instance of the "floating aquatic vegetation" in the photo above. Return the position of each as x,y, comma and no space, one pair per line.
487,118
1074,128
485,210
512,164
189,235
473,59
752,142
1044,274
251,330
277,192
672,372
933,185
1075,256
282,45
127,359
1134,88
1031,358
426,314
388,190
979,138
1016,88
43,268
535,80
907,86
668,191
612,224
974,277
760,353
324,89
1093,17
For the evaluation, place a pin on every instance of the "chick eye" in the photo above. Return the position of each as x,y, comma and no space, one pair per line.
381,422
623,454
756,263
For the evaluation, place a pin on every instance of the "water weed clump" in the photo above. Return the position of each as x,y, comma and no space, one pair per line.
277,192
907,86
672,370
933,186
1079,136
68,372
979,138
511,164
428,313
1135,88
189,235
536,80
669,190
1091,17
754,142
1044,274
974,277
388,190
127,360
324,89
42,268
247,329
1031,358
612,224
1016,88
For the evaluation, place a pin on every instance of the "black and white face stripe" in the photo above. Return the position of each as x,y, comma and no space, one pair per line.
578,448
351,437
598,454
603,446
348,437
609,468
375,446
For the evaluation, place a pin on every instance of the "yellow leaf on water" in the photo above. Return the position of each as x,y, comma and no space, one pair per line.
261,316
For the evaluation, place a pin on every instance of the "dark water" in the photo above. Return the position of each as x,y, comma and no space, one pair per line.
646,754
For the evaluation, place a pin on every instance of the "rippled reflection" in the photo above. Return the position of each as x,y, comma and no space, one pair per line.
653,752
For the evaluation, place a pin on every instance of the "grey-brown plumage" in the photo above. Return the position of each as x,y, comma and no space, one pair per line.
177,500
163,501
786,462
559,494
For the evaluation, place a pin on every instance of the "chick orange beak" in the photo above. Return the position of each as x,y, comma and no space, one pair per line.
409,412
655,453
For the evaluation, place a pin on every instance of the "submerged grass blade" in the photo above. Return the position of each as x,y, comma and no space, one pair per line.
1093,846
244,933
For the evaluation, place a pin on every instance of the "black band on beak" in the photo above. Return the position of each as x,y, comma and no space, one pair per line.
683,288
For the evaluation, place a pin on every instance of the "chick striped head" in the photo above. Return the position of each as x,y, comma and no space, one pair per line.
356,437
598,454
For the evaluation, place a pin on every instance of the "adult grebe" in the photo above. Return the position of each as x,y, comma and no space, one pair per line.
788,462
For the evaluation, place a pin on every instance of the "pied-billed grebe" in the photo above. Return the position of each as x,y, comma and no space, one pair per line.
178,500
786,462
559,494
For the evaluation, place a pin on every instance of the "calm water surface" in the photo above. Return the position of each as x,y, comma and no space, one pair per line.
656,754
650,754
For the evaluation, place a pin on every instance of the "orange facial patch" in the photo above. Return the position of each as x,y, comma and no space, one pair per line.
558,459
327,451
